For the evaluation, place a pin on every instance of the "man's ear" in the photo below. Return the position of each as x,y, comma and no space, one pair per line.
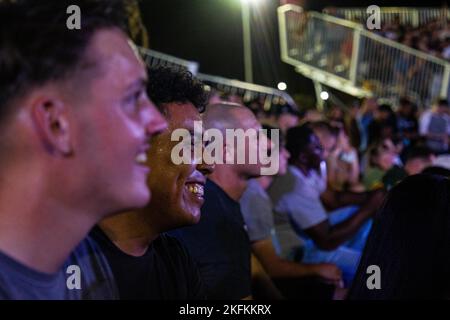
51,120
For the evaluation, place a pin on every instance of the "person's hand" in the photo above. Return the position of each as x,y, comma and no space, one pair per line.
373,202
376,199
330,273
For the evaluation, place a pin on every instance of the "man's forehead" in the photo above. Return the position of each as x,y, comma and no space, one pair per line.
182,115
115,51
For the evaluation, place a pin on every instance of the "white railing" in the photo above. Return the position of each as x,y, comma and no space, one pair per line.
406,16
154,58
248,91
343,55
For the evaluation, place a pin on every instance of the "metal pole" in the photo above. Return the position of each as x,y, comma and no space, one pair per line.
445,82
355,55
247,41
318,90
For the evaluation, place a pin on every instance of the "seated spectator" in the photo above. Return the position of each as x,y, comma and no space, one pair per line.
148,264
407,123
381,157
336,116
434,125
257,211
287,117
351,126
415,160
219,242
257,108
270,117
409,243
364,118
312,115
384,124
327,136
341,158
302,196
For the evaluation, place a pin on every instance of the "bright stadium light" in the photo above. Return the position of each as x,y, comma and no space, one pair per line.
282,86
324,95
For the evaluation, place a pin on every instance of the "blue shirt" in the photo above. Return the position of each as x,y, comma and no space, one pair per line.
19,282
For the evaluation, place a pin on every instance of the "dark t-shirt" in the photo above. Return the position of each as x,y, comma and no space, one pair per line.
96,281
220,245
407,124
165,271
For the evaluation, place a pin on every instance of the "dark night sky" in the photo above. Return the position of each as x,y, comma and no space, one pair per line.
210,32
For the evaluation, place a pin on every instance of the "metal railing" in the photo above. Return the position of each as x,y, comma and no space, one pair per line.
154,58
248,91
343,55
406,16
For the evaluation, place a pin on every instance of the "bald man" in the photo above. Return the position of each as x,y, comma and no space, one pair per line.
219,242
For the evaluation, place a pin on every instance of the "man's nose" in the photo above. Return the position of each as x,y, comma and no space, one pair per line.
205,169
156,123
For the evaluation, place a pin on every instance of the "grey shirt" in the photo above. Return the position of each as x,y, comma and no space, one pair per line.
256,208
297,196
19,282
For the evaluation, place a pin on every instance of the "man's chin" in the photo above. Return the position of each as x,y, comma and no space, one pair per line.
140,200
187,220
192,218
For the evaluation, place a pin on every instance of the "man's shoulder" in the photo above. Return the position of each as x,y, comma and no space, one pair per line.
18,282
284,183
96,275
88,252
166,241
426,114
171,251
218,206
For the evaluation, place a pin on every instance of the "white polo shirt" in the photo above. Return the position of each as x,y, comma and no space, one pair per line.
297,196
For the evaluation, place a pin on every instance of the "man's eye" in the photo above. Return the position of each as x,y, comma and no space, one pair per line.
134,98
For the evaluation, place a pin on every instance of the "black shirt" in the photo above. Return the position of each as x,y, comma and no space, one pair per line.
219,244
165,271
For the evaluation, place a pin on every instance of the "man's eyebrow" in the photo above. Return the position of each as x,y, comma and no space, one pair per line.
138,84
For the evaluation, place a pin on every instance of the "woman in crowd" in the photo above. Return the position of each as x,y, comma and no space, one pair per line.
381,156
409,243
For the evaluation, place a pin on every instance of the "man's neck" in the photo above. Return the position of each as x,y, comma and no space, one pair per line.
36,229
130,231
230,181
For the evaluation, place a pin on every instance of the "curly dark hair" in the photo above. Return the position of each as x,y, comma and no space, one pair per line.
297,139
167,85
37,47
